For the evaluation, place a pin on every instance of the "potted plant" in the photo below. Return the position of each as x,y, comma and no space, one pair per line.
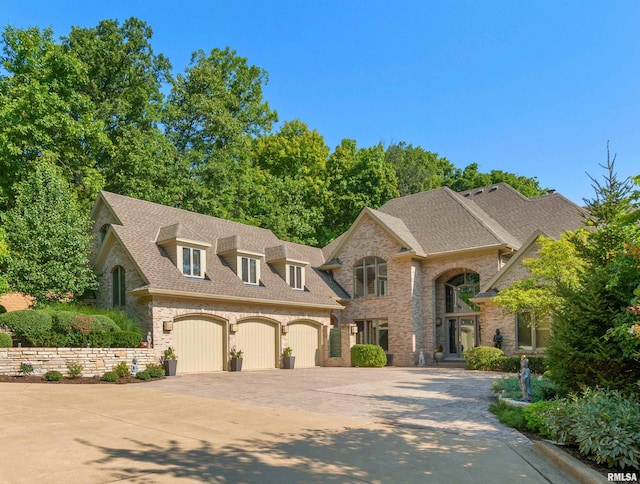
438,354
288,361
170,362
236,359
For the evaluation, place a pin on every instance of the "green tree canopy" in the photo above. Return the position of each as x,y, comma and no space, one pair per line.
48,238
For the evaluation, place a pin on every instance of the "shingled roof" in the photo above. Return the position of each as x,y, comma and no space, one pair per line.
141,223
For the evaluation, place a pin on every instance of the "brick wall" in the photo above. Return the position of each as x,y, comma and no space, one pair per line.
96,361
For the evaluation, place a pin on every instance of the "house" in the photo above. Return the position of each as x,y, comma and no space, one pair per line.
421,271
418,272
204,285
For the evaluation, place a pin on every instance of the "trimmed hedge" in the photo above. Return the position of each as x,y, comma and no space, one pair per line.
67,329
28,326
486,358
368,356
5,340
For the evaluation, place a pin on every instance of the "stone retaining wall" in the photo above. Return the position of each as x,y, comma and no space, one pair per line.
96,361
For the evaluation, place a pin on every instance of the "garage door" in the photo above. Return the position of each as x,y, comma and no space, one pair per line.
304,340
257,339
199,345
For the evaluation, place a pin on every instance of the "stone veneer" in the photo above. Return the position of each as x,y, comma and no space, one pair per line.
96,361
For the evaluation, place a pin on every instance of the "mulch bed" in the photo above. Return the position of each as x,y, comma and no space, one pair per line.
84,380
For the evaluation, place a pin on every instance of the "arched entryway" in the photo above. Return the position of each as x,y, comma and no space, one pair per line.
304,338
259,340
199,342
460,314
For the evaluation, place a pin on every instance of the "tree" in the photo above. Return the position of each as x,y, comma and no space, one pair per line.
418,170
48,238
4,285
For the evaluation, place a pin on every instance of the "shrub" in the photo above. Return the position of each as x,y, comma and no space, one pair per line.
537,364
509,415
5,340
368,356
26,369
536,416
508,364
30,326
122,370
143,375
74,369
110,376
125,339
485,358
155,370
53,375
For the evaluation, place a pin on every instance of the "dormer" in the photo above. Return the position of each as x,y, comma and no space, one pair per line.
243,258
185,249
288,264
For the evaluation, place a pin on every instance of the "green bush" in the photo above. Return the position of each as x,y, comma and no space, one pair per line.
5,340
537,364
74,369
508,364
125,339
143,375
120,318
122,370
368,356
485,358
536,415
110,376
30,327
509,415
53,375
155,370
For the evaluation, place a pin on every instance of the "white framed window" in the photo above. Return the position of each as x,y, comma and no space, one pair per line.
532,334
370,277
191,262
249,267
296,277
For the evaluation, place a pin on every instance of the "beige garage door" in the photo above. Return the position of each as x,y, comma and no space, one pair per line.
199,345
257,339
304,340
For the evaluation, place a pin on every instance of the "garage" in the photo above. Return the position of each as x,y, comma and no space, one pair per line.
258,340
199,344
304,340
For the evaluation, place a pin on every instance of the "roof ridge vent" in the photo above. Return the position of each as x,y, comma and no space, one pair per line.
479,191
493,189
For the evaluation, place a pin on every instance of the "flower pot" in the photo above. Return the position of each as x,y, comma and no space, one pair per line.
235,364
288,362
170,367
143,344
439,356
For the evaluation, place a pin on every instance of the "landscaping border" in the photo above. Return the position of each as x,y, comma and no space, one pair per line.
95,361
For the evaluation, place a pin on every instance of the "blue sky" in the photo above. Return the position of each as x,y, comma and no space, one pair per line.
534,88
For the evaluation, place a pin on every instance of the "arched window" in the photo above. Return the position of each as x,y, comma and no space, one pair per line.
370,277
459,290
118,287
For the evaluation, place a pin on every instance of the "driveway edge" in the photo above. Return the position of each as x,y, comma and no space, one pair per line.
572,467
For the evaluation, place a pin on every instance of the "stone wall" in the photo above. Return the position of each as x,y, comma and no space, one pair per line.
96,361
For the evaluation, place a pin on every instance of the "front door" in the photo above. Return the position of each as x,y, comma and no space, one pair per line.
462,334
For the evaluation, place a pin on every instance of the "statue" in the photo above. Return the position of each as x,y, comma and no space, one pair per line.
149,339
421,358
525,379
497,339
134,367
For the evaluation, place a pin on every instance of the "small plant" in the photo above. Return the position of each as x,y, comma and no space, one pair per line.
236,354
287,352
122,370
536,416
509,415
110,376
26,369
143,375
169,354
53,375
74,369
439,349
155,370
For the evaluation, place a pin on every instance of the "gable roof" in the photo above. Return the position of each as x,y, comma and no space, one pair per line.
442,221
141,223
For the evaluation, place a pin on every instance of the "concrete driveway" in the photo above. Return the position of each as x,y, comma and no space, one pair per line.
305,425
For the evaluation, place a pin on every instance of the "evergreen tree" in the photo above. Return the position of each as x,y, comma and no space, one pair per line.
48,238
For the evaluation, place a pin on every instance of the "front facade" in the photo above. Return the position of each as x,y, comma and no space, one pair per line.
417,274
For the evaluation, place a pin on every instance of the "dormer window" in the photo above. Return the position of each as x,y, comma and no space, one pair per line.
250,269
191,262
296,277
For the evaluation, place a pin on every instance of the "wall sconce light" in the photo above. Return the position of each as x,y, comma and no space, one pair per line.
285,329
233,327
438,321
167,325
354,330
